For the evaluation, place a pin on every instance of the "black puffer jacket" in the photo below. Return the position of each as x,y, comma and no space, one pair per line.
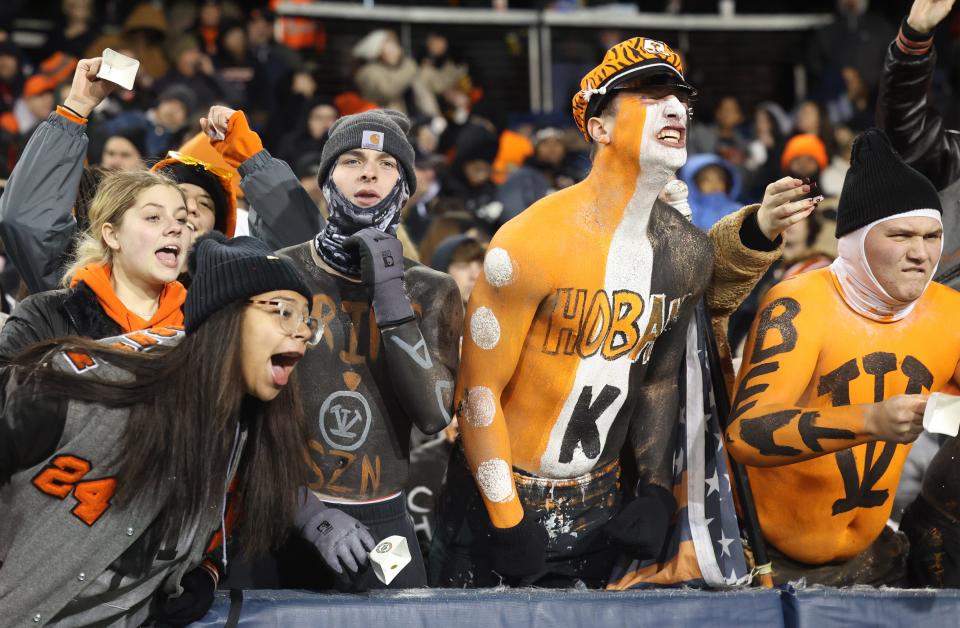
917,132
54,314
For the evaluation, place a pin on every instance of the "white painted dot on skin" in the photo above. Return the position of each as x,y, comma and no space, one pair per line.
498,267
495,480
481,407
484,328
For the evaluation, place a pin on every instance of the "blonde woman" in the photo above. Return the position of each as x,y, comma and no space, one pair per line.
124,274
36,222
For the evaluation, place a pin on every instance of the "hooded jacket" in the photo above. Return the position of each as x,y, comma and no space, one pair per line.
709,208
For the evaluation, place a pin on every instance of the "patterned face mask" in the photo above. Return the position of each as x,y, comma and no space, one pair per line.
347,218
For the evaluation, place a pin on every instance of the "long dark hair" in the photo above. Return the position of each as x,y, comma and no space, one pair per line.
185,404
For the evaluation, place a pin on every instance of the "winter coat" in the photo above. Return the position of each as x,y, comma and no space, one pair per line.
112,569
36,224
709,208
917,132
55,314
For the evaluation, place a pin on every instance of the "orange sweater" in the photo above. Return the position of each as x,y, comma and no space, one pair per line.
811,367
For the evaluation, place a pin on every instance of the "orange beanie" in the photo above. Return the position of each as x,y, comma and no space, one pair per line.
804,144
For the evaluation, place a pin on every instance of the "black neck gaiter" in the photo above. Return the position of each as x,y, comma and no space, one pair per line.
346,219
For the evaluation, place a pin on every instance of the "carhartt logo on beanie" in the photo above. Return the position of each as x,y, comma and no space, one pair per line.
225,271
380,129
880,184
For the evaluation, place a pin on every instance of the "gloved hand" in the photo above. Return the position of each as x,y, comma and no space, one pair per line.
341,540
381,269
520,550
197,598
642,525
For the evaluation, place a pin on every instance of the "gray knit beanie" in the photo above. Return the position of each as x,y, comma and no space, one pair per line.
380,129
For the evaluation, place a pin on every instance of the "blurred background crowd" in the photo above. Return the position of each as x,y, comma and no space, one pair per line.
770,103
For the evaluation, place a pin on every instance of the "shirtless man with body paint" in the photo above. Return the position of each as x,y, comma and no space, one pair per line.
572,348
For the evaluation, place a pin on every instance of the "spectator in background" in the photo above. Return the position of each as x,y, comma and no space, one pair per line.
387,77
543,173
422,206
163,124
831,179
855,106
208,25
771,124
243,76
11,75
811,117
461,257
307,167
142,38
805,157
857,39
723,137
714,185
124,150
35,104
468,178
75,29
311,132
276,59
192,69
440,74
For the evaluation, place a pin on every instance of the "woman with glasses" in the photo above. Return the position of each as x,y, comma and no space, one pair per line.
42,210
123,451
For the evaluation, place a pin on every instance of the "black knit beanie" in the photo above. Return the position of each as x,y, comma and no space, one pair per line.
228,270
187,173
880,184
380,129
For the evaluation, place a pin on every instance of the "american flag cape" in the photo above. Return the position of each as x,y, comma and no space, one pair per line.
704,547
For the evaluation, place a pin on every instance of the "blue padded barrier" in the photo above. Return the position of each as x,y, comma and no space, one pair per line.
866,607
490,608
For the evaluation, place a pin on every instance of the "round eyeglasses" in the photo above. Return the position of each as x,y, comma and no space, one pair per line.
292,320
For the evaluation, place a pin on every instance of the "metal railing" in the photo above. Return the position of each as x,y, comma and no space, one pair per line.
538,25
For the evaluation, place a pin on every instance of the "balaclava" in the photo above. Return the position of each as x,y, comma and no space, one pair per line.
879,187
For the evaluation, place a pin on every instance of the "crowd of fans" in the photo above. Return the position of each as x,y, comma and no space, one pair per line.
461,168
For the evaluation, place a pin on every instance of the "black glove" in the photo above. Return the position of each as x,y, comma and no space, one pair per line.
341,540
642,525
196,599
381,269
520,550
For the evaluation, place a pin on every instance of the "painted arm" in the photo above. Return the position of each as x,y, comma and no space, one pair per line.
770,425
422,357
36,223
499,315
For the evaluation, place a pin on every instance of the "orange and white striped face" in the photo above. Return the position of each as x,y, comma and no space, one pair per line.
658,119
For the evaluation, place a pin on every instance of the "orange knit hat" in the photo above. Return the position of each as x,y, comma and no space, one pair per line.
804,144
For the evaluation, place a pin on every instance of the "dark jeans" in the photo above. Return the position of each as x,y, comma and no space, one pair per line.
572,511
934,559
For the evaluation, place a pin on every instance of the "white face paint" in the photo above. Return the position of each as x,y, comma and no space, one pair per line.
664,144
498,267
484,328
495,480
